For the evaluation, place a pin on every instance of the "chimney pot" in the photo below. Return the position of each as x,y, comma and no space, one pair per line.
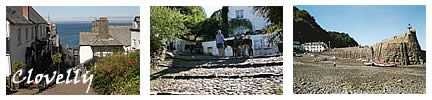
103,18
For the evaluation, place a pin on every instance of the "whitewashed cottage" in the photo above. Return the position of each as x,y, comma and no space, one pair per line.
104,39
251,21
135,35
26,34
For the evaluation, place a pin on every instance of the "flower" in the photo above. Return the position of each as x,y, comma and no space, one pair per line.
123,57
130,63
111,75
94,72
105,67
108,70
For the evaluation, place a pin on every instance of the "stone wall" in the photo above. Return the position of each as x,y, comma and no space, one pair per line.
403,49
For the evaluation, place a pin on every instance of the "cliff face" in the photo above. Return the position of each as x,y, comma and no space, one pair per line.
403,49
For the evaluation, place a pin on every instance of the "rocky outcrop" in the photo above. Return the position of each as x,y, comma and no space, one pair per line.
403,49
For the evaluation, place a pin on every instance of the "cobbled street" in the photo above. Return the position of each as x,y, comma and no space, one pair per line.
351,77
218,76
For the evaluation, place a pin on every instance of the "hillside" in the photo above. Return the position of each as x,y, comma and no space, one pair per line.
307,30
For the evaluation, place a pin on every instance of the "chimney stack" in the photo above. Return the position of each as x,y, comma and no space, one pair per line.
26,12
101,26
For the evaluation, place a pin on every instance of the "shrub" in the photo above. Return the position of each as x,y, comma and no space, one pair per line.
17,65
118,74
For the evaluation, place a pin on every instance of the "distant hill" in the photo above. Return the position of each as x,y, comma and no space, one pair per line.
307,30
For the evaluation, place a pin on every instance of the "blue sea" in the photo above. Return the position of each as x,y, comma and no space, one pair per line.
69,32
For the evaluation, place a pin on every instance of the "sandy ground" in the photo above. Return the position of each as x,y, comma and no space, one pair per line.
351,77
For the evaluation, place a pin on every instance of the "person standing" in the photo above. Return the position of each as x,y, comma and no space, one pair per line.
220,39
242,46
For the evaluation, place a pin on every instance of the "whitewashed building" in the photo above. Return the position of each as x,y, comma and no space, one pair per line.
298,47
25,30
246,13
261,46
135,35
261,43
103,40
315,46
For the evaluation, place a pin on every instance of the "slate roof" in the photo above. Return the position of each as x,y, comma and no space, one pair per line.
14,15
87,38
119,35
35,17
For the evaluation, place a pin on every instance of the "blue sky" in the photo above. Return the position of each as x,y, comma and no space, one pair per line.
371,24
88,13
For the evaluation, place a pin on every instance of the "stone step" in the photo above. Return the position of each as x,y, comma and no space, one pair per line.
219,86
258,75
221,72
240,65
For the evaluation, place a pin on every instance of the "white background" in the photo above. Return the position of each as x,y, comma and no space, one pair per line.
145,52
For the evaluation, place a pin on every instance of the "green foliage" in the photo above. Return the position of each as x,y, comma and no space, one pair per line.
273,13
193,17
56,58
208,28
237,23
275,28
118,74
341,40
17,65
307,30
166,24
275,16
224,21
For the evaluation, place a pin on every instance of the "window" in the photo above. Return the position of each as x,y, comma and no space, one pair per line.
19,37
266,43
26,34
239,13
7,45
40,30
32,32
257,44
97,54
133,43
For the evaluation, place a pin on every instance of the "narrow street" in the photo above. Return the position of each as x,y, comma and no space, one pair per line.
68,89
219,76
59,89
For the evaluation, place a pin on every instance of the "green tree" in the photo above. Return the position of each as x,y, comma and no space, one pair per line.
307,30
275,17
166,25
208,28
193,17
224,21
273,13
